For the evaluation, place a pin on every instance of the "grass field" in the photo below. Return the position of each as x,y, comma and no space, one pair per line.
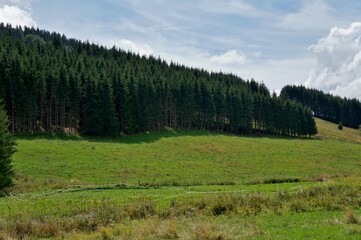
186,185
330,131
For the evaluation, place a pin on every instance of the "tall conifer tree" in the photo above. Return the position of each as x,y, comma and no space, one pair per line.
6,151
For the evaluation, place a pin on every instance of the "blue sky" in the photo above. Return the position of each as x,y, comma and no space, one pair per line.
276,41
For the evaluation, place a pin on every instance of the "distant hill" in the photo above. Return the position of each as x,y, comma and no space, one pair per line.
51,83
330,131
326,106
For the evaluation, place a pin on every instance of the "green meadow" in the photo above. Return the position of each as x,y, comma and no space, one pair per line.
181,158
186,185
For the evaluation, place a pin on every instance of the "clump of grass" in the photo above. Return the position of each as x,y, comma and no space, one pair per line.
140,210
274,180
298,205
24,183
353,231
350,218
23,228
168,230
105,212
203,231
106,233
281,180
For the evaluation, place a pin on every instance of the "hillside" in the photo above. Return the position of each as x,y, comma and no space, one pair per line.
330,131
50,83
193,154
325,105
185,185
174,158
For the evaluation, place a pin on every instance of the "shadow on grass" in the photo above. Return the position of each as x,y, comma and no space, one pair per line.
148,137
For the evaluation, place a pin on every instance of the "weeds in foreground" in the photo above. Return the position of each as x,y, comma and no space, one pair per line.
101,216
350,218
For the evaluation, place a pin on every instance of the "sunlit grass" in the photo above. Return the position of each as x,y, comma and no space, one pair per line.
179,159
186,185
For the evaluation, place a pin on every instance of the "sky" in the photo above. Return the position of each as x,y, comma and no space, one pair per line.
316,43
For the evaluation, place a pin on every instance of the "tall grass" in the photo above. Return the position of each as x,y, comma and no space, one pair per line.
105,213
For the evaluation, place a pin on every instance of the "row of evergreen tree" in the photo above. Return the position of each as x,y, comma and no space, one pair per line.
52,83
326,106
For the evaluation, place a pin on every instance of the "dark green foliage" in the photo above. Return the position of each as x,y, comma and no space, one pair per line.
340,126
6,151
326,106
109,120
311,125
91,111
52,83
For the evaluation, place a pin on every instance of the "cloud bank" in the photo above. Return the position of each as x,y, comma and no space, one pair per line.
16,16
231,57
125,44
315,14
338,68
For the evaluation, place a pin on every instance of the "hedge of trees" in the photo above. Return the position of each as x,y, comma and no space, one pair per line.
326,106
51,83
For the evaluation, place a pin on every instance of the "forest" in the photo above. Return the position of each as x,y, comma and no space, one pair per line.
54,84
326,106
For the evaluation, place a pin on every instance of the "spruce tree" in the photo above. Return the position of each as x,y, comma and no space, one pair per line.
109,118
6,151
91,120
312,128
49,82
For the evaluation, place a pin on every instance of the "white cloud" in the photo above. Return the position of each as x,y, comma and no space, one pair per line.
125,44
338,68
235,7
25,4
231,57
16,16
314,14
276,73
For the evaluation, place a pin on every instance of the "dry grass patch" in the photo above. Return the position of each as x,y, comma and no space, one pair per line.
330,131
350,218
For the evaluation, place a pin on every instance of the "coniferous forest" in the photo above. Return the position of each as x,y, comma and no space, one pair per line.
326,106
51,83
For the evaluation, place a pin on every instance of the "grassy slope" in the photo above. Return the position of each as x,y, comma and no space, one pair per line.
330,131
182,158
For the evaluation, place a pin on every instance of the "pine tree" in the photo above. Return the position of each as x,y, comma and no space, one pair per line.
6,151
312,128
109,118
91,120
49,82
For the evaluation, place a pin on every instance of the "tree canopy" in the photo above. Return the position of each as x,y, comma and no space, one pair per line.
51,83
326,106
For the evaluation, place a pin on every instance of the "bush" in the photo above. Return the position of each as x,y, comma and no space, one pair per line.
340,126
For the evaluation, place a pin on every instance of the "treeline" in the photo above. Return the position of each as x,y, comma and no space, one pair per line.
51,83
326,106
